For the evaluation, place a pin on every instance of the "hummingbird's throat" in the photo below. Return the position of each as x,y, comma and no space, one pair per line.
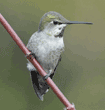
61,33
55,30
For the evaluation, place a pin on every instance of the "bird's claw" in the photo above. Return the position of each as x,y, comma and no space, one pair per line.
32,55
47,75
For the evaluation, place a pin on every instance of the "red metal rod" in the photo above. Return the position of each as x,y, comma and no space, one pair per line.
35,63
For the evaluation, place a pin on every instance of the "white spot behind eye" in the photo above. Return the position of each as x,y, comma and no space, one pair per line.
51,22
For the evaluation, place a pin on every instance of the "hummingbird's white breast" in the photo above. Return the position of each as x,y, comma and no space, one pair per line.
47,49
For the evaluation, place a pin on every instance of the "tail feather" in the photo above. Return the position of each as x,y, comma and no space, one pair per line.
40,86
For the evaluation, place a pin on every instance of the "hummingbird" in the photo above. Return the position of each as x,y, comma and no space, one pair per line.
46,46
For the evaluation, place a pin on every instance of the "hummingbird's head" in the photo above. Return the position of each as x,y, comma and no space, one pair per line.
54,24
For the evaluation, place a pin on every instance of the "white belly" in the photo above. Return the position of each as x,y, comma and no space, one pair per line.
47,51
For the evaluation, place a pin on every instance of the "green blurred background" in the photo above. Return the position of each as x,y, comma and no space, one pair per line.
81,73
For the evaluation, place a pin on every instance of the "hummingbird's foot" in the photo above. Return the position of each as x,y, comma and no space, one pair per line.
47,75
31,57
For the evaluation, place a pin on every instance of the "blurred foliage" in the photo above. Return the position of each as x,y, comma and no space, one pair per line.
80,74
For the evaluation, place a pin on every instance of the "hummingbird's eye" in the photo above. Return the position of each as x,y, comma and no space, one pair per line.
59,23
55,22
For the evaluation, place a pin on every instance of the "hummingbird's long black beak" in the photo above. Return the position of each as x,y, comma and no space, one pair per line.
78,22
